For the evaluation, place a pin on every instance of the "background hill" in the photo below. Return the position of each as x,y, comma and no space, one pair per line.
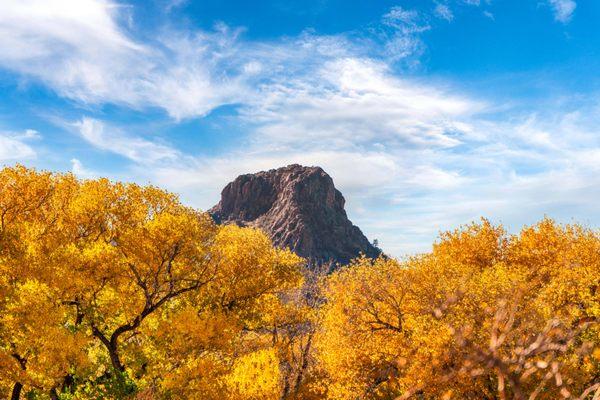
299,208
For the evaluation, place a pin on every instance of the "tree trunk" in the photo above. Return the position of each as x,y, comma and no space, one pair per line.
115,359
111,345
53,394
305,359
16,392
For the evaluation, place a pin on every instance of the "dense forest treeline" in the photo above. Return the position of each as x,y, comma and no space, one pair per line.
117,291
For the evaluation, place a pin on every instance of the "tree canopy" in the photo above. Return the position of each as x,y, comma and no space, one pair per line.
118,291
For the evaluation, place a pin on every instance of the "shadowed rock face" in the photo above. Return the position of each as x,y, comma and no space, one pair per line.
299,208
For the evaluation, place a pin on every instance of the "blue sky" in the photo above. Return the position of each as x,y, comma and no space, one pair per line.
427,114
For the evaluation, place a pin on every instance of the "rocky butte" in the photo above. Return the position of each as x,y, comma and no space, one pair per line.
300,209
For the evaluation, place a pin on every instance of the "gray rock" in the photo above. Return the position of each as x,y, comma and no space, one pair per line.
300,209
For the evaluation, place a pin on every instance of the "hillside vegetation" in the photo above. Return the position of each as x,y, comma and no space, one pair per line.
117,291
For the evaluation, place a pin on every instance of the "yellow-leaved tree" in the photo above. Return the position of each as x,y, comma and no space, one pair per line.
485,315
110,289
118,291
219,342
38,345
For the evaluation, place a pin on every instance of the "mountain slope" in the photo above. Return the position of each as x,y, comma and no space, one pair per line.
299,208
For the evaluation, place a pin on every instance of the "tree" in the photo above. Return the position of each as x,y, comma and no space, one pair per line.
221,340
37,343
105,285
485,315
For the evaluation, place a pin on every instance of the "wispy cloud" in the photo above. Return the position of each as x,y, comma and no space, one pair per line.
563,9
15,146
80,171
358,102
443,11
351,116
84,51
111,139
489,15
406,21
169,5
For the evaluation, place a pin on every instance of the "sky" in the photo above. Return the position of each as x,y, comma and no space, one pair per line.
428,114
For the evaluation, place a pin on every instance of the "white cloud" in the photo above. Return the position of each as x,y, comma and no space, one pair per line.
80,49
80,171
406,21
373,132
370,131
13,145
401,40
84,51
172,4
514,170
563,9
354,102
489,15
114,140
68,44
443,11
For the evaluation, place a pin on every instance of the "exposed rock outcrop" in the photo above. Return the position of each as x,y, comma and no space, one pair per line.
299,208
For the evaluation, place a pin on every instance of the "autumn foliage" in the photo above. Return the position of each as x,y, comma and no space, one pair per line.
485,315
118,291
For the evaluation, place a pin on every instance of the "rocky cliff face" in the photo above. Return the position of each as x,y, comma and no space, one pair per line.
299,208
